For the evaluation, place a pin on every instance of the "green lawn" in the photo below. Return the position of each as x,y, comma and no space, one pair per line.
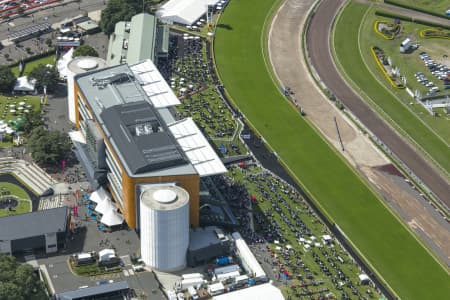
6,102
258,185
403,262
435,6
23,207
29,66
345,42
408,64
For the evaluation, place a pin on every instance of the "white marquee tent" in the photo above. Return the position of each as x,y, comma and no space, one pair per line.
112,218
99,195
62,63
106,254
105,206
24,85
184,11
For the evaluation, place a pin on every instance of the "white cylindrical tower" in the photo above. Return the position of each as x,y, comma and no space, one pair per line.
164,218
76,66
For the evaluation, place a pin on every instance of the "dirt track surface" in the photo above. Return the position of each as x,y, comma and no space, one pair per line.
317,39
286,56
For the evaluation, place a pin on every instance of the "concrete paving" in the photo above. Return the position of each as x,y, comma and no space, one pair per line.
89,238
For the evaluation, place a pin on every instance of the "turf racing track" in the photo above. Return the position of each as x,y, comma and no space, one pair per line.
317,40
392,250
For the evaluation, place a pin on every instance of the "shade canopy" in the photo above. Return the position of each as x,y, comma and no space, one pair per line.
112,218
106,254
99,195
24,85
105,206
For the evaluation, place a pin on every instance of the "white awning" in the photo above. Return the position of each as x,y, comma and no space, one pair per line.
62,63
154,85
183,11
99,195
112,218
23,85
264,291
105,206
106,254
197,149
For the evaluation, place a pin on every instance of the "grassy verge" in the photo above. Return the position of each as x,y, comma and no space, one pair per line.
9,103
24,204
92,269
29,66
434,7
408,64
394,252
345,42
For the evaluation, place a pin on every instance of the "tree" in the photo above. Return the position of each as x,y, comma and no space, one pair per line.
49,148
85,50
45,76
33,120
118,10
18,281
7,79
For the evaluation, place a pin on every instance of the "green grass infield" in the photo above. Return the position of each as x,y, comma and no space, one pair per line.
402,261
347,50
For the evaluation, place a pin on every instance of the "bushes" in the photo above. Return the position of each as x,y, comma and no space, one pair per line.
416,8
383,13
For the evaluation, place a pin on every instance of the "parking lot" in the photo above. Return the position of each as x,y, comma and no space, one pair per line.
88,238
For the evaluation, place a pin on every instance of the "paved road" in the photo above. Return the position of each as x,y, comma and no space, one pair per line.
317,39
51,15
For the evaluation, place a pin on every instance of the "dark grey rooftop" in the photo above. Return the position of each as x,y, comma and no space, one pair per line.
33,223
202,237
111,93
138,131
94,291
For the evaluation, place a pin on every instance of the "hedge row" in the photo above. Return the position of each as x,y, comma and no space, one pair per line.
31,58
416,8
383,13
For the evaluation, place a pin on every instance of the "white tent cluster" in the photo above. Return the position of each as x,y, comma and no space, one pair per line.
105,206
184,11
4,128
63,62
24,85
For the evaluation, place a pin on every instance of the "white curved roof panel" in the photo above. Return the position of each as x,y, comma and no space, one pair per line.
154,85
184,11
198,150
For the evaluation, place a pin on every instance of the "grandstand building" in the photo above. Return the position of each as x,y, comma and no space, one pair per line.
141,38
128,140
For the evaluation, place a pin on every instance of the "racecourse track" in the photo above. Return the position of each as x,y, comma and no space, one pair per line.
317,42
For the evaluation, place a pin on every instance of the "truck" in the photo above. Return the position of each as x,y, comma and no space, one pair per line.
191,275
241,280
193,293
216,289
224,260
186,283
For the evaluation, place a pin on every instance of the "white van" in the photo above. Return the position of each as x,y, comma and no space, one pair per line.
193,293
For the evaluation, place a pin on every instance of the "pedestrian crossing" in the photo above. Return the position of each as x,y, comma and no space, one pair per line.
51,202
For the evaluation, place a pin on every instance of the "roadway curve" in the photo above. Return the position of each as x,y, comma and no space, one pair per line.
317,41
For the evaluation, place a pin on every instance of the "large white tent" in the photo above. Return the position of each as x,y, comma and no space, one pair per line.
105,206
99,195
112,218
264,291
106,254
184,11
24,85
62,63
